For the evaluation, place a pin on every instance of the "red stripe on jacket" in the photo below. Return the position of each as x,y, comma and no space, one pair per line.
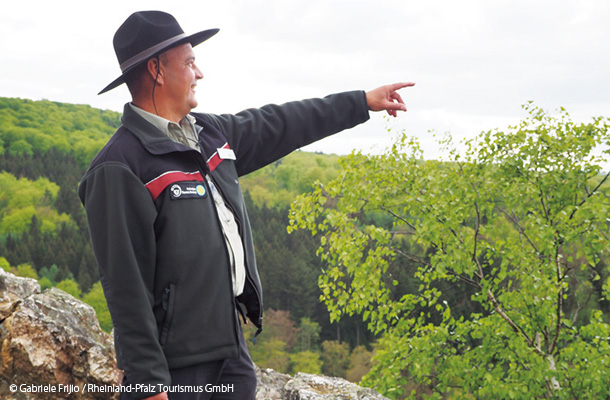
215,160
157,185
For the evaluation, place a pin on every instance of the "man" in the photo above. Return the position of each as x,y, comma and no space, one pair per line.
167,219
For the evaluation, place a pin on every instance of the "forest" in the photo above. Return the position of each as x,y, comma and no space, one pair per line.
483,274
45,148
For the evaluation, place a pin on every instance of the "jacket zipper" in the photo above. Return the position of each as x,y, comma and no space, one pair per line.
167,302
248,278
199,159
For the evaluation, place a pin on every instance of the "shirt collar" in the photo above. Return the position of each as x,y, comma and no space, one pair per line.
184,133
161,123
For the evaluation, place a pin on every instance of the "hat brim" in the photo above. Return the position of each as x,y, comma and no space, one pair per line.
194,40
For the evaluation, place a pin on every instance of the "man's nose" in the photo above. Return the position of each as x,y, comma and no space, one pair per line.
198,73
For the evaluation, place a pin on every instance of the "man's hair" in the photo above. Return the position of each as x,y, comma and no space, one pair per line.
133,78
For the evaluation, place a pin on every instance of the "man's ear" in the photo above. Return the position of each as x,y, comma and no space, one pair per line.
153,68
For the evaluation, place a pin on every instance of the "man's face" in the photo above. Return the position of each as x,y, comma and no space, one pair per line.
180,78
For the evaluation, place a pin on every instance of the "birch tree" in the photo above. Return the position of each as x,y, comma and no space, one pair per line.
508,239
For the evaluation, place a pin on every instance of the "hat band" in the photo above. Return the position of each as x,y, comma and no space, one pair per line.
149,52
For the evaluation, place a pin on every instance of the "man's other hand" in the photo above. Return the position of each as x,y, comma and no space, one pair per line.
386,98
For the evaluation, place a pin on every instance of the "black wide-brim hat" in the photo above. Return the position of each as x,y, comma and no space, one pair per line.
144,35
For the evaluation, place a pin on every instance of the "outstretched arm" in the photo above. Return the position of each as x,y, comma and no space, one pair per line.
386,98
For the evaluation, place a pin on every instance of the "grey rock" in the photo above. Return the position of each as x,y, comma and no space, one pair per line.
13,290
276,386
51,341
270,384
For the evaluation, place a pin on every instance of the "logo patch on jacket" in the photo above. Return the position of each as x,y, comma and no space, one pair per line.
187,190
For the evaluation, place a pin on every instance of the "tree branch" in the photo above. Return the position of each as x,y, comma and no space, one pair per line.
559,301
589,194
476,235
510,322
519,228
392,213
411,257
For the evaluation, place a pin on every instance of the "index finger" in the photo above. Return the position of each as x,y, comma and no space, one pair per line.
397,86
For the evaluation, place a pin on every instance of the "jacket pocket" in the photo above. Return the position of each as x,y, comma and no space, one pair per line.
168,304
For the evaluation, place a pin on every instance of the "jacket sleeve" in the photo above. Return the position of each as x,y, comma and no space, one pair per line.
121,216
261,136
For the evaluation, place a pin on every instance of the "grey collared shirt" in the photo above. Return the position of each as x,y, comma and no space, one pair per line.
186,133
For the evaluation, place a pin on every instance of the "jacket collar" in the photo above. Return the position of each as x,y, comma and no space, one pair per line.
154,140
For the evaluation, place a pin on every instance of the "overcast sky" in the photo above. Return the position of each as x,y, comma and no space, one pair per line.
474,62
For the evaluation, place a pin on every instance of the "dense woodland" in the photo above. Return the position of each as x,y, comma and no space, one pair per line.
45,148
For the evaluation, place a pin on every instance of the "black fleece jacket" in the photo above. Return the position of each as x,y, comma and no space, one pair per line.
157,239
